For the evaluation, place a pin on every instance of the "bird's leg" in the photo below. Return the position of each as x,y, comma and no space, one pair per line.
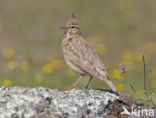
90,79
77,81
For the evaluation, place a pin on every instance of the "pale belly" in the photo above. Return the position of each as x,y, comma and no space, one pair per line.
75,68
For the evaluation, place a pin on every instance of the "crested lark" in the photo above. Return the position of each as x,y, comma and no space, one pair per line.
81,57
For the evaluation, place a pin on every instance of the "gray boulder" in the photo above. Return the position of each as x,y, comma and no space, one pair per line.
20,102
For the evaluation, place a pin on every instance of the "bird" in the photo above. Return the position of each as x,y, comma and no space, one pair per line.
81,56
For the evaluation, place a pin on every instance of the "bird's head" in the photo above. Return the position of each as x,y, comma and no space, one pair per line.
71,27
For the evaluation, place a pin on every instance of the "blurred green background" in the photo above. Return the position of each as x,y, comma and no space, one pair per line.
120,30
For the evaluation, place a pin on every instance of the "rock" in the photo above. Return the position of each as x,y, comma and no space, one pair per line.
20,102
41,115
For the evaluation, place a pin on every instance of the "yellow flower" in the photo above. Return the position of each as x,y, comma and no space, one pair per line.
71,73
8,53
50,67
101,48
12,65
56,63
120,87
25,66
141,93
150,47
116,74
7,83
47,69
127,58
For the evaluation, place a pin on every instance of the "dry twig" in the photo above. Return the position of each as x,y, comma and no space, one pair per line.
144,64
133,88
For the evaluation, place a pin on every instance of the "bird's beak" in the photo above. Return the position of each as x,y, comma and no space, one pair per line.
62,28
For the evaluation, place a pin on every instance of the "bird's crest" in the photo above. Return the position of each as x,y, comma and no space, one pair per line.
72,21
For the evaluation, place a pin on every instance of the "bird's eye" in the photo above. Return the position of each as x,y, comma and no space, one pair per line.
73,27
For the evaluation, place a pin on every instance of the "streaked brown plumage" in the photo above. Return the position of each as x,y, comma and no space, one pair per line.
80,56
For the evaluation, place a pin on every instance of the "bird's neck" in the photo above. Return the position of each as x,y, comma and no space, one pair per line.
70,36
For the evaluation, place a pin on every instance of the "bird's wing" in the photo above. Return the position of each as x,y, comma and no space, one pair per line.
86,58
93,64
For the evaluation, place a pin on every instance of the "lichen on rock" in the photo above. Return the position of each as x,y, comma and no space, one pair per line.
23,102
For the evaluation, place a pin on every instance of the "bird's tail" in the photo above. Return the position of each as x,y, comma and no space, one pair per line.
109,82
111,85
